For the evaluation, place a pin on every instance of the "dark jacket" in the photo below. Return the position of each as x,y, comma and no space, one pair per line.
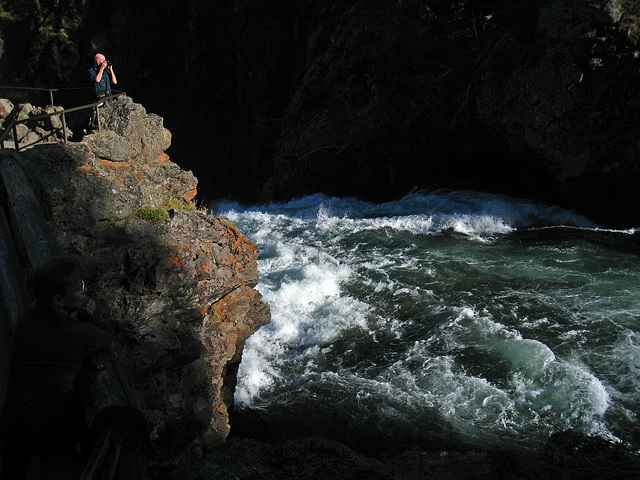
46,359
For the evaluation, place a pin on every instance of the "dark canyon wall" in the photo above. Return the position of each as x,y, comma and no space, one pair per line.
269,100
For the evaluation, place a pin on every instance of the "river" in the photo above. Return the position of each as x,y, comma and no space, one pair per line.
447,317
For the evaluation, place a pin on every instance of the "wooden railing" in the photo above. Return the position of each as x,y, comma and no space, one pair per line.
112,414
13,122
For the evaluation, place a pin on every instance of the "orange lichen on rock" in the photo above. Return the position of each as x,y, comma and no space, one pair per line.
163,158
110,164
206,266
233,306
177,260
191,194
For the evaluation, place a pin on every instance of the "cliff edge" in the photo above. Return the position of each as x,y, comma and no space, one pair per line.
186,278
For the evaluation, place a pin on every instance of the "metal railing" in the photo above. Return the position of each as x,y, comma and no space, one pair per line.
13,125
33,89
50,91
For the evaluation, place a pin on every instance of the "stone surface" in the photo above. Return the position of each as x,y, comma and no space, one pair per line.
132,132
187,281
6,107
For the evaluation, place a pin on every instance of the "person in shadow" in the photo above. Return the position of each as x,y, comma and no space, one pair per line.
41,414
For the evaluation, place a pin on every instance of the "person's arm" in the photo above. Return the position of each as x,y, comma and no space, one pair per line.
100,332
114,80
106,324
103,65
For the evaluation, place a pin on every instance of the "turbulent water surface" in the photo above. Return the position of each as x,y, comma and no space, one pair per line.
446,316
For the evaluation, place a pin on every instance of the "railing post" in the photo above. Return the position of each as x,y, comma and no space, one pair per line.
92,469
97,117
64,128
15,137
51,96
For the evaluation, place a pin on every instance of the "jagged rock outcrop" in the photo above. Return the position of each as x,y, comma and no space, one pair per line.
186,278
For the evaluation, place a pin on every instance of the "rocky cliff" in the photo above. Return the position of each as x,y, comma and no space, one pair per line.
536,98
186,278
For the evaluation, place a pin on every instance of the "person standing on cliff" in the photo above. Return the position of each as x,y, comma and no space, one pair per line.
51,339
103,76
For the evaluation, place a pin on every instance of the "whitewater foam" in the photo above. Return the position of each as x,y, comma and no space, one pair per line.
417,313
